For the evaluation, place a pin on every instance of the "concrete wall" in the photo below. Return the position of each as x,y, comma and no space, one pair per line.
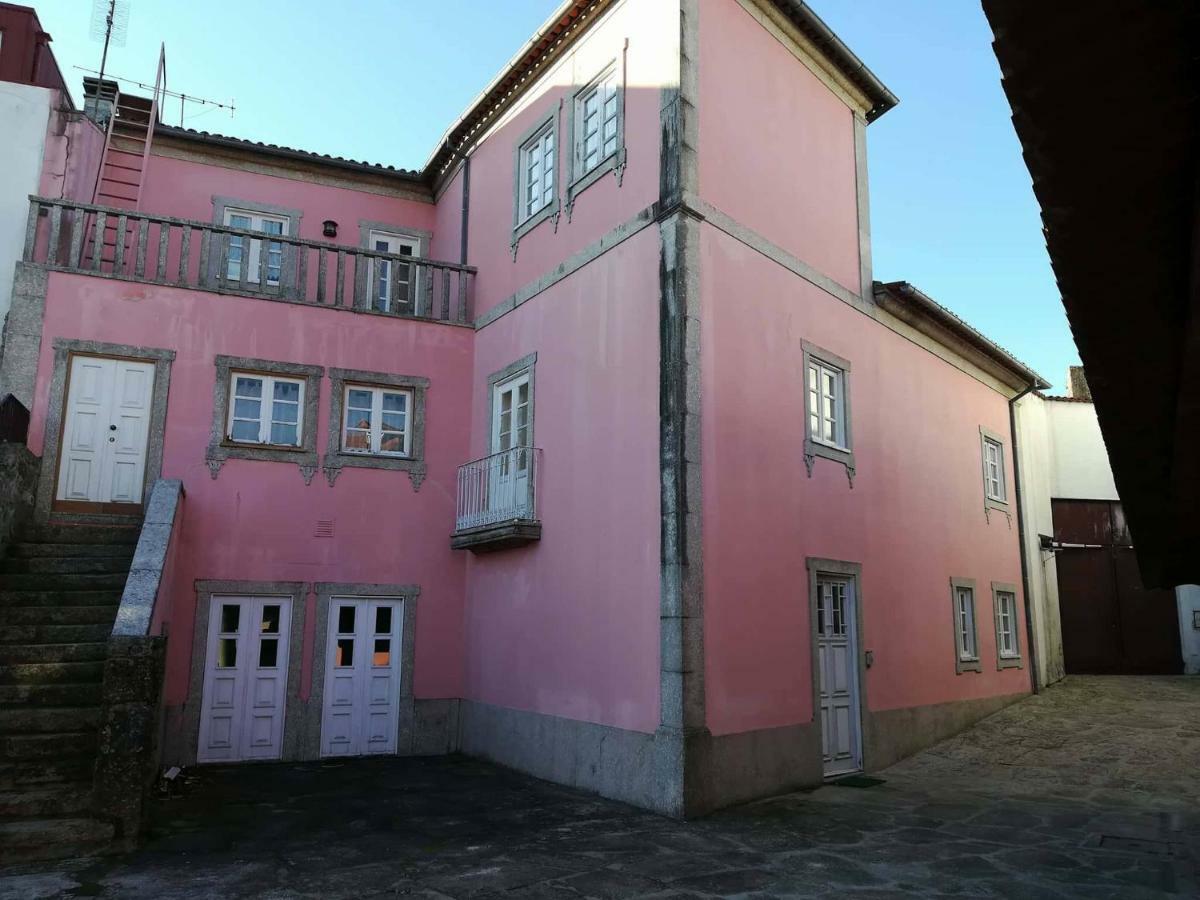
1037,479
24,114
1079,460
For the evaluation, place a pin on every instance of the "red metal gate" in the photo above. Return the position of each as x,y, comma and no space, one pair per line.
1111,624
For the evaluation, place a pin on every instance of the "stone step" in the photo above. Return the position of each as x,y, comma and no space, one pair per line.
52,673
65,799
68,565
101,612
62,745
81,534
50,694
54,634
13,654
33,550
57,581
106,596
27,774
48,719
32,840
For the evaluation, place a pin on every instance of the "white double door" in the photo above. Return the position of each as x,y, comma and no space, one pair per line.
508,478
107,424
245,679
837,666
362,676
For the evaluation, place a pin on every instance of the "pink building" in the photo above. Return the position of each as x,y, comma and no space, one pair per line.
591,447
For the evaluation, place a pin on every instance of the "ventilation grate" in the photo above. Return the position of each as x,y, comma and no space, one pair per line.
324,528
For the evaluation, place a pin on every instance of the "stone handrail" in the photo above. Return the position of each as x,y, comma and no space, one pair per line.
135,616
132,245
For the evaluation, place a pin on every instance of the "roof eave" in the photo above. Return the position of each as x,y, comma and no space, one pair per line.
902,297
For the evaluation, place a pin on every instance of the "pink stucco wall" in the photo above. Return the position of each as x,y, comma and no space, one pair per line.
256,520
569,626
776,146
603,205
913,519
71,160
185,189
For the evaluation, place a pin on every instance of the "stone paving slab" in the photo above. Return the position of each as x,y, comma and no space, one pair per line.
1089,790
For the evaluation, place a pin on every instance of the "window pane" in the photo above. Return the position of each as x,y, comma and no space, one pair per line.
268,653
248,387
356,439
345,620
239,221
391,442
231,614
287,390
383,652
345,652
358,399
247,409
395,402
393,421
227,653
288,435
270,620
287,413
244,431
383,620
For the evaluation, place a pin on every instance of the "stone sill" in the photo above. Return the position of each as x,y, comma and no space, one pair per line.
497,536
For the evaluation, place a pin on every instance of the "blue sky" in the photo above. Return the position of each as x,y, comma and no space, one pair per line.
951,206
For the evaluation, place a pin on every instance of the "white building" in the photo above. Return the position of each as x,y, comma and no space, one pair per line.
1089,609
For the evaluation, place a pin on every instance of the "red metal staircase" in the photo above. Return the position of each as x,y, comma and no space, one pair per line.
126,153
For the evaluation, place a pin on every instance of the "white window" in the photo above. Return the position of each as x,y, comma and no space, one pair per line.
1006,625
377,420
536,168
265,409
964,609
993,470
246,220
393,283
597,122
827,404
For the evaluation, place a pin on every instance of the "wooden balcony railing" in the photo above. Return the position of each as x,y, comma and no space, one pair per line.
132,245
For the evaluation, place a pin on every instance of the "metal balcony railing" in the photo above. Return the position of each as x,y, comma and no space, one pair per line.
499,488
132,245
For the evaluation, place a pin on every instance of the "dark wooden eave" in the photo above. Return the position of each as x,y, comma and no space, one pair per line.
1105,103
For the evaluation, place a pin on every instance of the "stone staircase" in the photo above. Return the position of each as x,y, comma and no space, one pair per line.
60,587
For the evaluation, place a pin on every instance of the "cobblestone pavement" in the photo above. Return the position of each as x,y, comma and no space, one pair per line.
1091,790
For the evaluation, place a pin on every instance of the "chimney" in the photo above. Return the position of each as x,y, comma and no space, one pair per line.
1077,386
98,99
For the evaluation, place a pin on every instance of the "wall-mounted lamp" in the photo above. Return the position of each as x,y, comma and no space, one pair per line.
329,228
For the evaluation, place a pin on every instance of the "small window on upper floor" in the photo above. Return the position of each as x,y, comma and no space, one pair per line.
597,122
827,404
828,431
535,173
995,487
265,409
248,220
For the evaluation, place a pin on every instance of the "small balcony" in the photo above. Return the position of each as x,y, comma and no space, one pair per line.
497,502
131,245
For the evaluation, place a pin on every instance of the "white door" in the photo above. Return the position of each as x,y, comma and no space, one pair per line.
837,661
245,679
107,418
508,476
250,221
362,676
390,280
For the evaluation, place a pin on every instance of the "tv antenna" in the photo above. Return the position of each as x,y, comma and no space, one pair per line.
110,24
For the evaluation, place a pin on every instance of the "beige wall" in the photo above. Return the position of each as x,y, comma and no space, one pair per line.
1079,460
